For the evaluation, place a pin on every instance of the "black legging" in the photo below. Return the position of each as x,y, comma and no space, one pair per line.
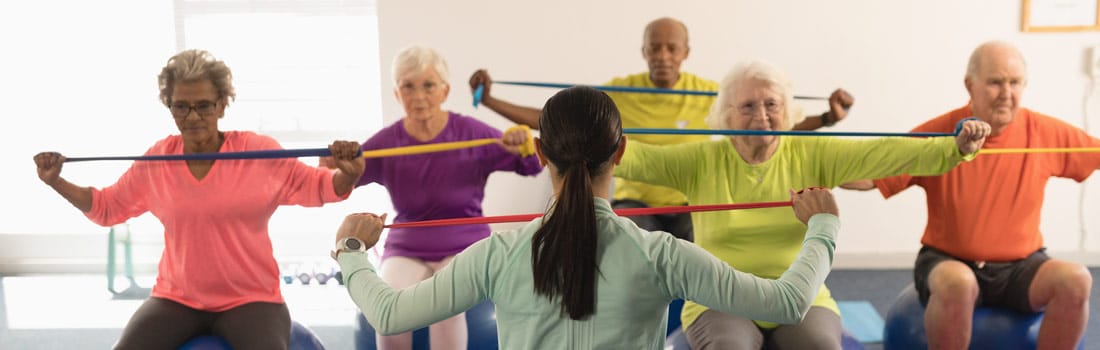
165,324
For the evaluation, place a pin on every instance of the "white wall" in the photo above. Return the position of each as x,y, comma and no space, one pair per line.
903,61
901,67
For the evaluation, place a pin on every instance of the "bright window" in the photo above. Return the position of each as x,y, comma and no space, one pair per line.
304,70
83,74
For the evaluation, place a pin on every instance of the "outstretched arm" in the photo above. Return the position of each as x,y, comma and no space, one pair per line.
839,103
516,113
49,171
694,274
454,289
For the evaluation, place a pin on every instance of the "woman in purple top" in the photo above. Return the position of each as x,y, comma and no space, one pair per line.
438,185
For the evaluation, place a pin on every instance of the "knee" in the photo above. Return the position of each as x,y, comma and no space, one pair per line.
730,337
816,341
953,284
1074,283
729,341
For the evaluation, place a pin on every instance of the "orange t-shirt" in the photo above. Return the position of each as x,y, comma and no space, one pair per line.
988,209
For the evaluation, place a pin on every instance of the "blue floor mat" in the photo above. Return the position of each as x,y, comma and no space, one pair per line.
862,320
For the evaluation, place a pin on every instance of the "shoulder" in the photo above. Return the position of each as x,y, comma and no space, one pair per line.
471,127
248,140
944,122
1059,132
797,144
805,149
695,82
654,246
1043,120
386,134
633,80
708,148
467,121
167,145
509,245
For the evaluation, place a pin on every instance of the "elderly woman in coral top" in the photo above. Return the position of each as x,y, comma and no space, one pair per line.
217,274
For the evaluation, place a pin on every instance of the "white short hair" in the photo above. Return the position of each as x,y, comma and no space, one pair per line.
718,118
417,59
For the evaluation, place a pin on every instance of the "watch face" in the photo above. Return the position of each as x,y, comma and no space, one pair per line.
353,244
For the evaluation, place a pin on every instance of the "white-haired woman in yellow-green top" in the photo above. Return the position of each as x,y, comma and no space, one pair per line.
741,169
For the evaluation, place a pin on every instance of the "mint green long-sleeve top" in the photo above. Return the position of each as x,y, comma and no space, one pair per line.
640,272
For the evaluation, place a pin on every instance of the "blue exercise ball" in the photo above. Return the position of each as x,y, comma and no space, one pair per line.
481,327
301,338
991,328
206,342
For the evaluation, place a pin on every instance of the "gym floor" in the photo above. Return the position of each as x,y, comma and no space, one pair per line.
77,311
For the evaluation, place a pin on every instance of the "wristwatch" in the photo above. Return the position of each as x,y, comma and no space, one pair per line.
350,244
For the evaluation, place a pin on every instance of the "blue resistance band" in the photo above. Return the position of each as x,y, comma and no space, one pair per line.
265,154
644,131
325,152
480,90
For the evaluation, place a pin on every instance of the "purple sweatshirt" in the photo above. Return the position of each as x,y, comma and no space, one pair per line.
440,185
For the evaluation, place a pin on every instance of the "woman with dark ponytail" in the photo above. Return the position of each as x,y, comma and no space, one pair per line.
580,133
582,277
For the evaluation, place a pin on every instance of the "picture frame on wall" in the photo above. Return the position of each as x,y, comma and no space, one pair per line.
1060,15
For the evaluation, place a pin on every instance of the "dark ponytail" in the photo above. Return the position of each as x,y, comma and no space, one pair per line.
580,131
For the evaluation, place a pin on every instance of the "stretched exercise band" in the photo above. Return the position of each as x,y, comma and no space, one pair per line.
621,212
958,128
527,149
480,90
778,133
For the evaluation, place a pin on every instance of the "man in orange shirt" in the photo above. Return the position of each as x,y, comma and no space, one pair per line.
982,245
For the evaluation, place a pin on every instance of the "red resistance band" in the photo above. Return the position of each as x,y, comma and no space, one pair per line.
620,212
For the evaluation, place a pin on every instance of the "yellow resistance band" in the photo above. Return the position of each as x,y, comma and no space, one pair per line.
527,149
1038,150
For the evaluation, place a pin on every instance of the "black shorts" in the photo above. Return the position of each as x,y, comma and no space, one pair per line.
1000,284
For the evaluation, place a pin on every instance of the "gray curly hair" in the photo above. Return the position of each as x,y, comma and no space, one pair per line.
191,66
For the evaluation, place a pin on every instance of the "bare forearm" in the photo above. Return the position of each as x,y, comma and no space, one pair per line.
859,185
342,182
809,123
516,113
79,197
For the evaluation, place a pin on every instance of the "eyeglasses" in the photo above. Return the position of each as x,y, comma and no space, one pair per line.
770,107
203,108
427,87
